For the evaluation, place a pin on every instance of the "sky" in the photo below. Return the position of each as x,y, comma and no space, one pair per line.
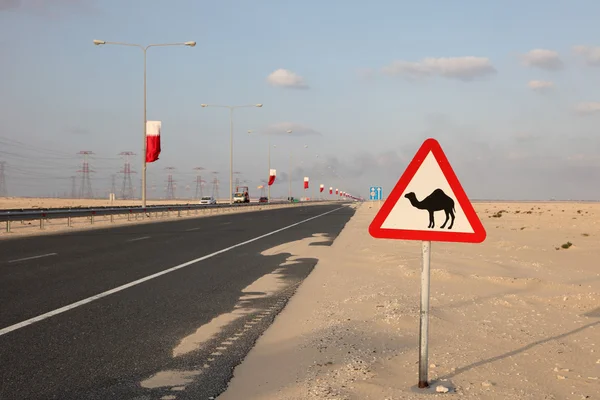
509,89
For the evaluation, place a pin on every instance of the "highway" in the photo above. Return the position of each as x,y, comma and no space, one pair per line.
97,314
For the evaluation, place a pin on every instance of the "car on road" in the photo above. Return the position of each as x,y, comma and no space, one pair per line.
241,197
208,200
263,200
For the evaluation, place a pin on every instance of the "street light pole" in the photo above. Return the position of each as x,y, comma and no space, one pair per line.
290,179
145,50
230,155
269,157
269,186
231,108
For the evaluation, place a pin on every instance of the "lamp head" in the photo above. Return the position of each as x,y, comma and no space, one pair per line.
99,42
289,131
259,105
204,105
190,44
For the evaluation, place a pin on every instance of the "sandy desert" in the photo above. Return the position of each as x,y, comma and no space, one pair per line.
515,317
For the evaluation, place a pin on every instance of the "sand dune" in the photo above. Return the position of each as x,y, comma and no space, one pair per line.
516,317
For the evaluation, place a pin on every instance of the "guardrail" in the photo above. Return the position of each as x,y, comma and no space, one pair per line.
9,216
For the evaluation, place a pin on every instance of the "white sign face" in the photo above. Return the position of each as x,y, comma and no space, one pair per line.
423,192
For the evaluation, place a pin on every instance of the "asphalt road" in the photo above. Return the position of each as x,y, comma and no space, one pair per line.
108,347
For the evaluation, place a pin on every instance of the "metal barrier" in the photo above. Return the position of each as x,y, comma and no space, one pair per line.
9,216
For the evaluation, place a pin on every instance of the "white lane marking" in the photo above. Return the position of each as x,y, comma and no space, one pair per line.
33,257
79,303
193,229
140,238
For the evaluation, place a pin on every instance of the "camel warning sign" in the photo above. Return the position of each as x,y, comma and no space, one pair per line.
428,203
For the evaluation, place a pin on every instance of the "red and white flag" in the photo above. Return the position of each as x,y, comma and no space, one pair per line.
152,140
321,188
336,191
330,190
272,175
306,182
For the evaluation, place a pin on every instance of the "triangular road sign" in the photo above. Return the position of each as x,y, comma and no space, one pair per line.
428,203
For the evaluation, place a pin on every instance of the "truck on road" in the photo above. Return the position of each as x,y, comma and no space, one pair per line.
241,195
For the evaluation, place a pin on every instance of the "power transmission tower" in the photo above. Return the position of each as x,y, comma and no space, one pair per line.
170,186
198,183
85,191
215,188
73,187
127,190
3,189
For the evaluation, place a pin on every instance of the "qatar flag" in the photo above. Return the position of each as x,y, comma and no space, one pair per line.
272,175
336,191
152,140
321,188
330,190
306,182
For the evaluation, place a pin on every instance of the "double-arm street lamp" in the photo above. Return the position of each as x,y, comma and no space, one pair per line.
144,49
290,170
231,108
269,156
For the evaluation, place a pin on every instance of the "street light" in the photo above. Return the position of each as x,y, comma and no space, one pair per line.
231,108
144,49
269,155
290,170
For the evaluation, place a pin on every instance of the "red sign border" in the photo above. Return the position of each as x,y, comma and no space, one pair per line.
429,145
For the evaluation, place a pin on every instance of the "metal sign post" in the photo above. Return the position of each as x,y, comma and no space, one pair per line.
424,322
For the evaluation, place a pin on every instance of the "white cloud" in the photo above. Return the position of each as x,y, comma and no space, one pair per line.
286,78
542,58
587,108
463,68
590,54
540,85
281,128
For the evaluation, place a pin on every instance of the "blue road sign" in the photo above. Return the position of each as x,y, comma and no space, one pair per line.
375,193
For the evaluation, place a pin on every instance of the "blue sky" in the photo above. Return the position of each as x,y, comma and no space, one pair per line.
381,77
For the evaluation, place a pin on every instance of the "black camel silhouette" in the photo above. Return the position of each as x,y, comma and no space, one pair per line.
436,201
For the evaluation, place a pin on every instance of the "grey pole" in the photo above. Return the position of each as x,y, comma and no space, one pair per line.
290,178
145,133
269,186
424,321
230,155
